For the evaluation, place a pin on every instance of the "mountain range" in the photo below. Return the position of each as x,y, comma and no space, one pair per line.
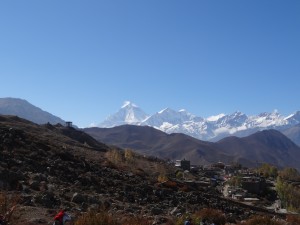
213,128
255,139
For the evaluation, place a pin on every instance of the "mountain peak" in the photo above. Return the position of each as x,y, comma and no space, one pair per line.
166,110
294,118
128,104
129,113
215,118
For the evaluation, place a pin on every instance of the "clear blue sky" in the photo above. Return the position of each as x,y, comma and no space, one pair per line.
80,60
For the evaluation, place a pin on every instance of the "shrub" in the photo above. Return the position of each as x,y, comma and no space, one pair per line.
293,219
262,220
129,156
162,178
212,216
115,156
136,221
8,203
179,174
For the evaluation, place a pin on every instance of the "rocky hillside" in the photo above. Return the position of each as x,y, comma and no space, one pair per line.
47,167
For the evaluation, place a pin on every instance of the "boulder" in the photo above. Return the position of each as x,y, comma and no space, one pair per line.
78,198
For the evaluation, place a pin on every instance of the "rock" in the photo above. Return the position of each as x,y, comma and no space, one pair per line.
156,211
78,198
46,199
34,185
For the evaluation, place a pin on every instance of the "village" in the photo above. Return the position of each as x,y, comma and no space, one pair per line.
233,182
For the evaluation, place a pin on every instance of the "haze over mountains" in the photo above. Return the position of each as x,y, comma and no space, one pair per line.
213,128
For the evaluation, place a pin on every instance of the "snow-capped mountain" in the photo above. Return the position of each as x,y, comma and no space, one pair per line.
128,114
212,128
169,116
293,118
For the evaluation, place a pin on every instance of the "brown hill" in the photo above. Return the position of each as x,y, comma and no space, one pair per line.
268,146
150,141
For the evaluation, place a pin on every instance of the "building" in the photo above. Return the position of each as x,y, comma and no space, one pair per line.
255,185
183,164
68,124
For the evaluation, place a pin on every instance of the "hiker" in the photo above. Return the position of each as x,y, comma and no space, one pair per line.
4,219
61,217
187,222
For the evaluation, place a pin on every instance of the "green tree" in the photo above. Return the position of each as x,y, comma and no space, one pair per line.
290,174
235,181
288,193
268,170
129,155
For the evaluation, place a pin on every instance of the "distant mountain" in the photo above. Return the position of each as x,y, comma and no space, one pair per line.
212,128
268,146
293,133
23,109
128,114
294,118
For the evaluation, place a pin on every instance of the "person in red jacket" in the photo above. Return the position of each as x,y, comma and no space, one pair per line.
61,217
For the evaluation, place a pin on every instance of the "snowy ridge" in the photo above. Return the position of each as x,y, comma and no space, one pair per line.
211,128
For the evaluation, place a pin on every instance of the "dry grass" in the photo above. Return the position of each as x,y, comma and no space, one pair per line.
103,218
96,219
208,214
293,219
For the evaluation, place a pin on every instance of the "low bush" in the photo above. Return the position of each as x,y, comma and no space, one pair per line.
262,220
293,219
8,202
208,214
212,216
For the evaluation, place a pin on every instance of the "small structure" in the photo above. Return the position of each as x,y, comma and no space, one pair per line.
183,164
252,184
218,165
68,124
